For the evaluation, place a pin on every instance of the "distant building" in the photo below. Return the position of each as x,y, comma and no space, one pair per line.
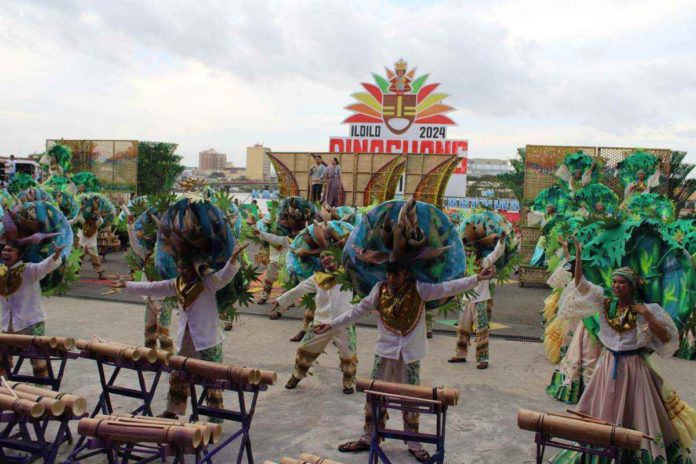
478,167
211,160
258,164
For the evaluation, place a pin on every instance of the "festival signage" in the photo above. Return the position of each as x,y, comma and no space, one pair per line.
400,113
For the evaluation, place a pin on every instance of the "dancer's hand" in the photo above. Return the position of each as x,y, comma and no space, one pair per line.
237,250
120,283
58,250
131,219
639,309
322,328
486,274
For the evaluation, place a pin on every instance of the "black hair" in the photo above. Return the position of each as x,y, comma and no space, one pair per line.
336,160
393,267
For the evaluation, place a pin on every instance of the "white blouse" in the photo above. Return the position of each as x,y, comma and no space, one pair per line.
588,298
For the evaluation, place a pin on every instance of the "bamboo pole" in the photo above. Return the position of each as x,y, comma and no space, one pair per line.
578,429
446,395
109,350
149,354
268,377
25,341
54,406
213,370
75,405
141,432
211,431
22,406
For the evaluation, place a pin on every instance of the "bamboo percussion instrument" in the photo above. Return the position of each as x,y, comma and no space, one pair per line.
108,349
211,432
446,395
141,431
25,341
269,377
589,432
75,405
213,370
149,354
312,459
22,406
54,406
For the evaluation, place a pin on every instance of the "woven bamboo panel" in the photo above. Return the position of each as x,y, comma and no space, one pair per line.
541,163
533,276
530,235
425,175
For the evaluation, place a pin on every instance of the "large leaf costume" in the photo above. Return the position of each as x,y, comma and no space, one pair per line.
58,160
317,236
96,203
87,180
596,193
638,161
415,234
58,184
34,194
21,181
294,213
41,226
664,265
480,230
67,203
574,172
650,206
554,195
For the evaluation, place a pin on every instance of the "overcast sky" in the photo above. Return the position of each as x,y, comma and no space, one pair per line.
229,74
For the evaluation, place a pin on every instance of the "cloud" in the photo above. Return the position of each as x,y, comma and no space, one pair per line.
228,74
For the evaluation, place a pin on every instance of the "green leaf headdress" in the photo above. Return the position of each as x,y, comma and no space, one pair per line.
638,161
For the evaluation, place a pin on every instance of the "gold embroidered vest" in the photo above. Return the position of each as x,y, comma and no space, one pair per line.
89,229
400,311
10,279
186,293
325,280
619,319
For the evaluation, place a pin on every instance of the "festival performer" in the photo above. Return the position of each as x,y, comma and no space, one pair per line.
278,245
625,389
331,302
87,238
199,335
475,307
20,295
158,313
640,173
401,342
576,170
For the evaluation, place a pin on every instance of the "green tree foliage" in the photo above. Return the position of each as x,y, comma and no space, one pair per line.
158,167
679,186
515,180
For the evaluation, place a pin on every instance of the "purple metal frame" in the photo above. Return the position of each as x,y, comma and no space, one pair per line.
52,380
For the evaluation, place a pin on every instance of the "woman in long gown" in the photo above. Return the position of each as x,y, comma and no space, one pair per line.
625,389
332,195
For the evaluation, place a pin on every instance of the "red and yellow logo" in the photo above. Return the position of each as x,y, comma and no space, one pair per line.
399,100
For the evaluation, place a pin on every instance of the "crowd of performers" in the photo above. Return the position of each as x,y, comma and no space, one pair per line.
622,278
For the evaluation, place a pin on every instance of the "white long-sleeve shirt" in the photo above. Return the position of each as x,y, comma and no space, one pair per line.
201,317
329,303
414,345
83,240
483,292
588,298
279,244
23,306
138,249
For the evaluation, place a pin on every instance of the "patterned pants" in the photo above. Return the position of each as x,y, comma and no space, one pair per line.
38,365
308,318
312,345
271,276
179,389
391,370
479,311
94,258
158,315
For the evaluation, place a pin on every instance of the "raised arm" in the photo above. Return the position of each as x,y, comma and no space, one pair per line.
306,286
495,255
37,271
138,249
430,292
366,305
225,275
161,289
273,239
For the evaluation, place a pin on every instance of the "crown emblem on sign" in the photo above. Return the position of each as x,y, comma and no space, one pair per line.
400,65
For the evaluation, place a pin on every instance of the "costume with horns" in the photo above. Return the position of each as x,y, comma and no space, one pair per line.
197,233
396,231
34,228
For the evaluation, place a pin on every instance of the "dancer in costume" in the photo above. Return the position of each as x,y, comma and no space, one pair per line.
199,335
401,343
625,389
475,307
278,246
640,173
87,238
158,311
539,257
576,170
20,294
331,301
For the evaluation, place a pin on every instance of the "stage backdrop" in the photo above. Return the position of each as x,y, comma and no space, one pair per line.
542,161
114,162
370,178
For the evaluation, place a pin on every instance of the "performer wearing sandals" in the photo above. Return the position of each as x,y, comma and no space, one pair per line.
401,342
475,307
331,302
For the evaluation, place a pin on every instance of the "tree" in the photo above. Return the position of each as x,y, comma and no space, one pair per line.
515,180
679,186
158,167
